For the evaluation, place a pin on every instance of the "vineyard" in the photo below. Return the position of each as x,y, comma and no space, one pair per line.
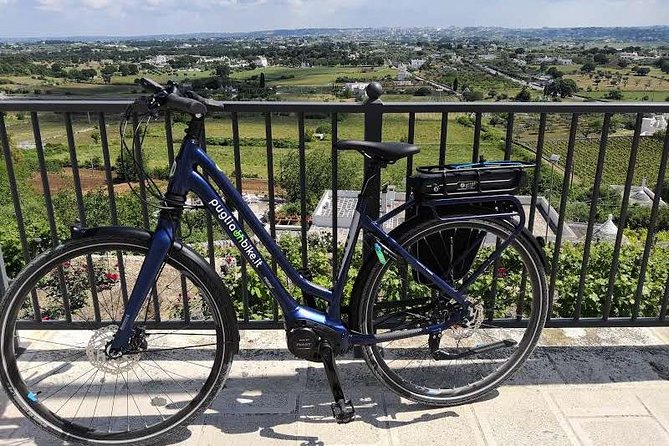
616,159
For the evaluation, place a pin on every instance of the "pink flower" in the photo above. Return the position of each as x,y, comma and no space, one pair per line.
46,318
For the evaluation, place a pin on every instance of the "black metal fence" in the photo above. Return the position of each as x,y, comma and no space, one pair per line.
374,112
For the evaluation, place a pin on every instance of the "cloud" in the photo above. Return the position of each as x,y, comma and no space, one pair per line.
133,17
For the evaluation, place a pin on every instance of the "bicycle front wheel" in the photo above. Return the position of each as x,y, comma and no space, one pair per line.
63,380
508,305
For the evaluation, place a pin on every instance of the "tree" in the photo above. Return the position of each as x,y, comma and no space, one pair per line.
423,91
318,175
642,71
590,126
524,95
472,95
588,67
455,84
261,83
223,71
519,50
554,73
561,87
601,58
616,95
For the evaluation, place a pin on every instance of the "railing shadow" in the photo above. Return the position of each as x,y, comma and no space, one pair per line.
376,406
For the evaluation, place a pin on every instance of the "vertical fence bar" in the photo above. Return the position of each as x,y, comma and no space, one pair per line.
520,309
650,237
11,177
476,148
623,215
593,213
538,159
139,161
169,141
373,132
113,212
309,300
269,143
508,142
210,224
46,189
335,188
82,215
563,206
665,301
238,183
443,136
410,139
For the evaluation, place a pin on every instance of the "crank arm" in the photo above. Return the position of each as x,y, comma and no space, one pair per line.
441,355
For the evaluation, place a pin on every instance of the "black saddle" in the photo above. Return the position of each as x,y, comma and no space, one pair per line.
387,152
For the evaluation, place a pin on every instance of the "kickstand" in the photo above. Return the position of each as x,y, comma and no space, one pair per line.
342,409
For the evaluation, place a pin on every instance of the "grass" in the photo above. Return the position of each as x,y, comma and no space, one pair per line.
254,160
616,161
314,76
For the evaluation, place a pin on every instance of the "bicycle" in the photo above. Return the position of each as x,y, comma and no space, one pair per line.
447,305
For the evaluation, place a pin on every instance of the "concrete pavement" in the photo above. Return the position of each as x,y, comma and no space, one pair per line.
582,386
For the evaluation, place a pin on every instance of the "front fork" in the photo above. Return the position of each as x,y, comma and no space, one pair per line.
159,246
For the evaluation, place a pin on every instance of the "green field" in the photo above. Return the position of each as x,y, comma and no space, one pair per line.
616,159
314,76
459,143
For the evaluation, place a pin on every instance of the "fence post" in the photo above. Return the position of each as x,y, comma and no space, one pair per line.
373,130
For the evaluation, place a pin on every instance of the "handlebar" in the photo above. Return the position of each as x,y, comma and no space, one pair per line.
169,97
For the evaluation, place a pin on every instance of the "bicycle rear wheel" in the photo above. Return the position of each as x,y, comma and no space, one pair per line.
462,363
63,380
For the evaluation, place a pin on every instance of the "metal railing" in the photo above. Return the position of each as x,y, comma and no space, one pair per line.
374,113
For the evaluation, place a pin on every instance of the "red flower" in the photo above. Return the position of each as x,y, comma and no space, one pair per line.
46,318
501,272
111,276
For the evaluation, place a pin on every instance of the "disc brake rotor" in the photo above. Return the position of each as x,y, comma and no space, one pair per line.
469,324
95,351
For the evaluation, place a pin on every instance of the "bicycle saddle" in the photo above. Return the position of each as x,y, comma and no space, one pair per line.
388,152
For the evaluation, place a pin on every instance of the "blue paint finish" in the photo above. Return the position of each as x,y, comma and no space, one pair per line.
186,178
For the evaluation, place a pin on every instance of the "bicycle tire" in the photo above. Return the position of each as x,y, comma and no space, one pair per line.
364,299
183,260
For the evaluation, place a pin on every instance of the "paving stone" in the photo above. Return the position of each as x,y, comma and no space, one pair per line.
602,364
369,427
456,425
520,416
244,430
597,401
657,403
623,431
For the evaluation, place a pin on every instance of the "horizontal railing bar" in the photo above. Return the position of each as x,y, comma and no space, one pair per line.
272,325
118,106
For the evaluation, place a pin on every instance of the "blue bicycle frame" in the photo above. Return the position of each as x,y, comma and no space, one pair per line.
185,178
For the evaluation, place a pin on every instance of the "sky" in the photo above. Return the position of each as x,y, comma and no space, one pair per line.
59,18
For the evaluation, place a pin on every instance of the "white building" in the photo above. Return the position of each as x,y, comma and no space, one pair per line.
356,87
487,56
403,75
650,126
261,62
555,60
417,63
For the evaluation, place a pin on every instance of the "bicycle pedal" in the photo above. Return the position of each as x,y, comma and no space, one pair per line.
343,411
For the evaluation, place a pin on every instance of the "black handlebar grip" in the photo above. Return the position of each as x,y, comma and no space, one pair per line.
186,105
150,84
